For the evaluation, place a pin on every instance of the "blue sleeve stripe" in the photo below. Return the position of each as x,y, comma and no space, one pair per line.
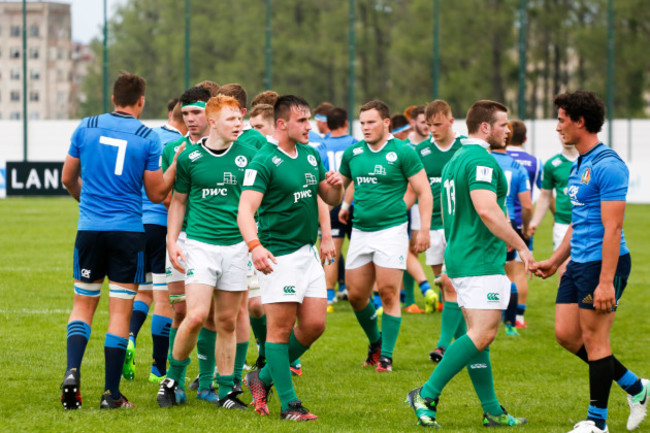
146,133
137,131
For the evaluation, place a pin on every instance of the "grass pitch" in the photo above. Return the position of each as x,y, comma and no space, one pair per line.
534,376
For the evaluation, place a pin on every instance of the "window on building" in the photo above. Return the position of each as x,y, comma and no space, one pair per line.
35,74
34,31
15,95
34,116
15,74
14,31
14,53
33,96
14,115
33,53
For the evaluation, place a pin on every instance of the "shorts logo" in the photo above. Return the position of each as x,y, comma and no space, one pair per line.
168,271
588,300
190,272
277,160
401,259
357,150
312,160
194,155
85,273
586,176
241,161
391,157
289,290
493,297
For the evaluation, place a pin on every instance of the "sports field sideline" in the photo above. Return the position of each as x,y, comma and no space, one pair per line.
534,376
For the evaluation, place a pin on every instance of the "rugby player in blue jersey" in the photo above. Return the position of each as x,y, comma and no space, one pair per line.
111,157
533,166
600,264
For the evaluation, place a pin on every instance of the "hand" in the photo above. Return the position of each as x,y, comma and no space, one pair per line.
422,241
176,253
344,216
262,259
334,179
327,251
532,228
543,269
181,148
527,258
604,299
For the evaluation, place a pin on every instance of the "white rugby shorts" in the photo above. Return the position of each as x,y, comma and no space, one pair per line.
221,266
387,248
559,231
296,276
485,292
171,273
435,254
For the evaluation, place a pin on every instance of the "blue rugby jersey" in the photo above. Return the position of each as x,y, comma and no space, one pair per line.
598,175
331,151
157,213
533,166
518,182
114,151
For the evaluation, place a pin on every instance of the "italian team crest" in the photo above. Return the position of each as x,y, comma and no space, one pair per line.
586,176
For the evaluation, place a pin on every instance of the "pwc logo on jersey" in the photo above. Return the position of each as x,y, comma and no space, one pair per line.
435,180
312,160
194,155
214,192
241,161
301,194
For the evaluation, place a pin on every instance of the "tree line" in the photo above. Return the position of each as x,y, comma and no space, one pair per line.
566,49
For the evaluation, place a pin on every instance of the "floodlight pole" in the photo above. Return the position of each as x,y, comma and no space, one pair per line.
523,28
25,80
435,70
105,62
267,79
610,72
352,55
187,44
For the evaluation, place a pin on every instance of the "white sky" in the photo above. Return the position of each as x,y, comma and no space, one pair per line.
88,17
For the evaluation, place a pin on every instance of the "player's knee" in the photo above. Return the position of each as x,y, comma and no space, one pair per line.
121,292
195,319
226,325
567,338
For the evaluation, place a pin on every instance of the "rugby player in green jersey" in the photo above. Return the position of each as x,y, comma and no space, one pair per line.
283,182
208,186
473,197
380,168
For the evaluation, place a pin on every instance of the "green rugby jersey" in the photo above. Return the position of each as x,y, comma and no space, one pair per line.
167,158
252,138
472,250
213,185
434,159
380,180
556,176
288,214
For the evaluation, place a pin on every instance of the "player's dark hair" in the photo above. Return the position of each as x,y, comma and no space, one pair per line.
212,87
171,104
397,121
284,104
336,118
266,97
236,91
482,111
582,103
378,105
518,135
323,108
128,88
416,112
195,94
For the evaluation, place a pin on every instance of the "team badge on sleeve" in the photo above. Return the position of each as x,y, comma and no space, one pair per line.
483,174
249,177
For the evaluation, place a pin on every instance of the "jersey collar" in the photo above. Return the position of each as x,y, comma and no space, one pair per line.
484,144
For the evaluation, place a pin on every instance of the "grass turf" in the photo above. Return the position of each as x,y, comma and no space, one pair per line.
534,376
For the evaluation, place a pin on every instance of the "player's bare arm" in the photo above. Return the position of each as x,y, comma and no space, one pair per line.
548,267
327,249
526,210
71,176
485,203
249,202
612,215
542,205
420,184
331,189
174,224
344,213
